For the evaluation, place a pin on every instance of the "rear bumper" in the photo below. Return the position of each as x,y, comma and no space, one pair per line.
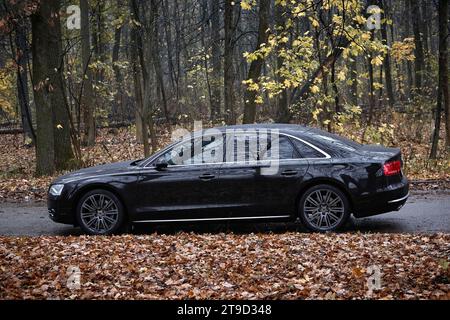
400,200
391,198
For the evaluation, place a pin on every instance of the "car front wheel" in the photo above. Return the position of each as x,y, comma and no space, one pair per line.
100,212
324,208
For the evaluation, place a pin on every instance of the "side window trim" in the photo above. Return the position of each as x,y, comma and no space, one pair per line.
168,149
326,155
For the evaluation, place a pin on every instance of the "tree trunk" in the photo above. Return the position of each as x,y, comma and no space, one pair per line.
387,60
407,34
155,56
117,105
64,157
146,94
335,88
354,85
53,147
371,97
419,61
137,83
22,84
216,65
443,94
283,114
45,152
255,67
168,33
88,101
228,71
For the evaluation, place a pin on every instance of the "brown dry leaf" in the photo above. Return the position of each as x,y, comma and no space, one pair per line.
257,266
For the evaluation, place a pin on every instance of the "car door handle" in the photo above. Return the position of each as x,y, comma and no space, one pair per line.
207,176
289,173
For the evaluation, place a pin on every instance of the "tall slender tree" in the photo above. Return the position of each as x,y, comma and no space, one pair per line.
22,60
88,100
216,64
228,69
387,57
419,61
443,94
256,65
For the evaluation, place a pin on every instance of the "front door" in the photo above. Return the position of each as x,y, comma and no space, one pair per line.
185,190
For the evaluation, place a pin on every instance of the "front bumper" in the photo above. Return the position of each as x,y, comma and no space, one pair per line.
391,198
59,211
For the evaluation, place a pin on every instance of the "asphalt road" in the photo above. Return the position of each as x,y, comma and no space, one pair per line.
424,212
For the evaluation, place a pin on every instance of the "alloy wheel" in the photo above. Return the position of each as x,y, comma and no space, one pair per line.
99,213
324,209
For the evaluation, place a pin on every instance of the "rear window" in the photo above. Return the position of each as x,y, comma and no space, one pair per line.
334,140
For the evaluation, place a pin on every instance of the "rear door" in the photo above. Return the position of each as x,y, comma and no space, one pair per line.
263,182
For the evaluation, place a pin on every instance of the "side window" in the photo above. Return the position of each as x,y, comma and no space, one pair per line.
244,147
306,151
179,154
207,149
238,148
251,147
286,149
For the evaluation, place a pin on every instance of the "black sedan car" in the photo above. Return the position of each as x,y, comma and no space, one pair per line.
264,172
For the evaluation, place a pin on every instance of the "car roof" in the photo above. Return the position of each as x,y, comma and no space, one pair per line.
326,139
284,127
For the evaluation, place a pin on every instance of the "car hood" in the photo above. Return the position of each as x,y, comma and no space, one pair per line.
109,168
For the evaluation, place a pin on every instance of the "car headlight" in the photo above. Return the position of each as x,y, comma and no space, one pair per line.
56,189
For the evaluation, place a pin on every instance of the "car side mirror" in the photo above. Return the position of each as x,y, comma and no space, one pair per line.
161,165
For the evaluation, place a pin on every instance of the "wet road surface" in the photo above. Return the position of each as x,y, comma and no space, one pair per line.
423,212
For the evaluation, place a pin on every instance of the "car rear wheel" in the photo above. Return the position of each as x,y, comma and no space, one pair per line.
324,208
100,212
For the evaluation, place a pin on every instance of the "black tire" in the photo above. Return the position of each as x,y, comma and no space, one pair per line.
325,215
84,215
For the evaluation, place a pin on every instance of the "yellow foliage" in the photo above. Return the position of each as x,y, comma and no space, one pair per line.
316,113
403,50
341,75
251,86
7,90
247,4
259,100
377,61
314,22
314,89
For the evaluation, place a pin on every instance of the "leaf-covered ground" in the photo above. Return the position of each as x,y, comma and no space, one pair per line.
227,266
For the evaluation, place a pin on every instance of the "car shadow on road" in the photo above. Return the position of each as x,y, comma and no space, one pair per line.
366,225
353,225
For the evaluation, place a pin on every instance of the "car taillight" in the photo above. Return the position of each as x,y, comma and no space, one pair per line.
392,167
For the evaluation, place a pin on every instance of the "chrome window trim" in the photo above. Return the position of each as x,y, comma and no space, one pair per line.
148,163
326,155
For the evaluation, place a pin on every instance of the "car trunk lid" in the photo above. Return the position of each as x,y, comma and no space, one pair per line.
390,160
